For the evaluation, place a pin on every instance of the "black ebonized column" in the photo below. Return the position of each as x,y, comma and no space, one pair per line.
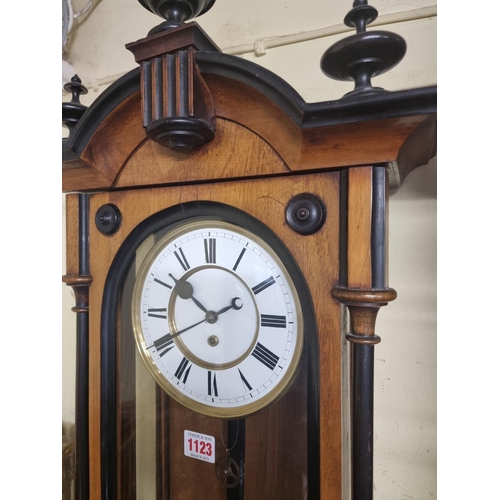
82,364
80,285
362,421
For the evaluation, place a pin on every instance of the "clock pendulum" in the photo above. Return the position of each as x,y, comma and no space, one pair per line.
219,233
227,469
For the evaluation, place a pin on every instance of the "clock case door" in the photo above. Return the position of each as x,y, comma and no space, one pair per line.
267,137
276,450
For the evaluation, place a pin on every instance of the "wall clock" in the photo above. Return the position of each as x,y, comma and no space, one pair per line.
220,236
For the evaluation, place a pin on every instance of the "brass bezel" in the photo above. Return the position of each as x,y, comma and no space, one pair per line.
228,413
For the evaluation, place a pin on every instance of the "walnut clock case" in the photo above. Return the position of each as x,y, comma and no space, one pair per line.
219,228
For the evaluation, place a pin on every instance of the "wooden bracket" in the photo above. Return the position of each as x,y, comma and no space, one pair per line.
363,307
178,110
80,285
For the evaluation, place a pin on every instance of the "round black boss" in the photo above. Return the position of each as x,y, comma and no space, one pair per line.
108,219
305,213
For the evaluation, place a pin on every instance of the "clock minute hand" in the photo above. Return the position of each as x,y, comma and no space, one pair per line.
169,336
188,328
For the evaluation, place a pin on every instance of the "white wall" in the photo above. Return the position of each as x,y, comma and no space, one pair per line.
405,370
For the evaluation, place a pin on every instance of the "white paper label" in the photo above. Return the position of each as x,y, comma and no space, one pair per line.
199,446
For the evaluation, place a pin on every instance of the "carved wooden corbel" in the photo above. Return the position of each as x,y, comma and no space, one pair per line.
178,111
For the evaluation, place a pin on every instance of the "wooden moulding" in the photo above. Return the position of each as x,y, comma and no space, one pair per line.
80,285
177,108
319,136
363,306
183,37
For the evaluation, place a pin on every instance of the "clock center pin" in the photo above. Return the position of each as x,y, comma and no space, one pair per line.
212,317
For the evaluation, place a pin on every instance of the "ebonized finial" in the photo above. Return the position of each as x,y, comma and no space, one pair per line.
364,55
72,111
176,12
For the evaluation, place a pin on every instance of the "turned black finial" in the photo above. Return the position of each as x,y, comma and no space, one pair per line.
72,111
364,55
176,12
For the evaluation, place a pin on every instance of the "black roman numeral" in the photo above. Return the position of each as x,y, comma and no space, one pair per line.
237,263
155,312
164,344
183,369
262,286
273,321
182,259
163,283
245,381
265,356
212,385
210,256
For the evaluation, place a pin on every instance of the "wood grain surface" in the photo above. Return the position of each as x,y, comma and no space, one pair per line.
121,133
359,213
316,255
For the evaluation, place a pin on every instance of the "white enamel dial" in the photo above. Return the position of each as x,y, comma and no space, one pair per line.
217,319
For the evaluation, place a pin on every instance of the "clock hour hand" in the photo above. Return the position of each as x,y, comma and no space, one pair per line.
233,305
185,291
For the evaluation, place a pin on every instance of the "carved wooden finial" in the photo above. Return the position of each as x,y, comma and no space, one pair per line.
73,111
364,55
176,12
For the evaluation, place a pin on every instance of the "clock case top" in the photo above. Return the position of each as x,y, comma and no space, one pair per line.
395,129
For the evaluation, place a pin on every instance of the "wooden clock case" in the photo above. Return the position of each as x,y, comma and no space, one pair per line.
268,146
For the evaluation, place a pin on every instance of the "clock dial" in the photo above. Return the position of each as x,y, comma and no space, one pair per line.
217,319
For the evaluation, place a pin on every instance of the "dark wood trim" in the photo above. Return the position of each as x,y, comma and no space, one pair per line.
383,106
379,220
362,421
80,285
310,115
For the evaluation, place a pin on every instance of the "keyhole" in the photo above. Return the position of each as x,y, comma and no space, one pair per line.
212,340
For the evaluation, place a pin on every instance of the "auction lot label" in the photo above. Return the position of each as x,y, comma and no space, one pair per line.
199,446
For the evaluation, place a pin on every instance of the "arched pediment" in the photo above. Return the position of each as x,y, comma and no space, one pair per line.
306,136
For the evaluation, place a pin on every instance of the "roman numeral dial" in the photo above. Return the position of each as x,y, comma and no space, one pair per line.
273,321
183,370
263,285
218,319
157,312
164,344
265,356
212,384
210,250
